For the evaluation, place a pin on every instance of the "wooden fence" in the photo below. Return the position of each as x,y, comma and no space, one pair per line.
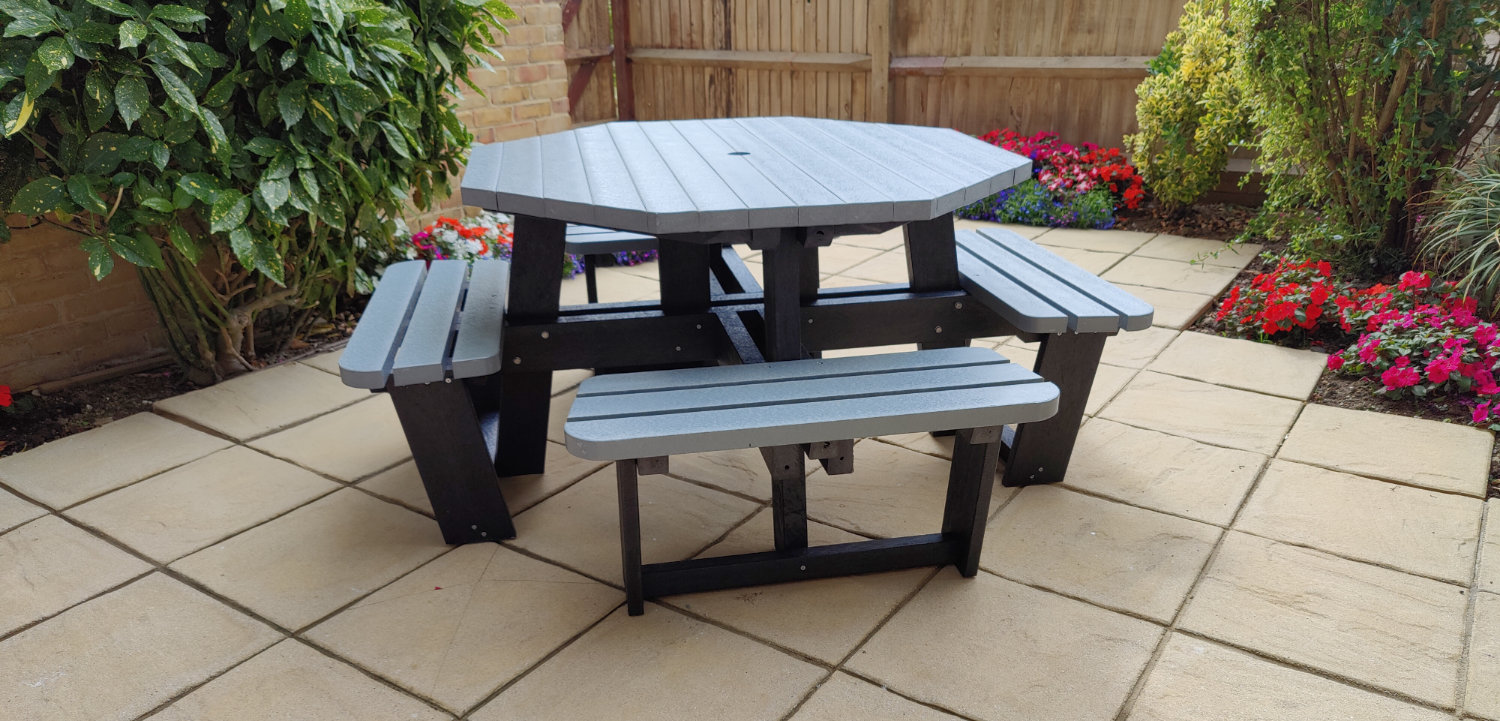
1064,65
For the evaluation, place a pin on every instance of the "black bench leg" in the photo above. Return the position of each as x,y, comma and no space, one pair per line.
526,396
1041,450
630,535
454,461
590,279
971,481
788,495
932,263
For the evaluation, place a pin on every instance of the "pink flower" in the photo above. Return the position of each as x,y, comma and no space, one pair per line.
1484,335
1369,349
1335,361
1412,280
1442,368
1400,375
1482,412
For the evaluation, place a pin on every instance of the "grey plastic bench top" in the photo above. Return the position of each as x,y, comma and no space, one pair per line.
689,176
1040,292
589,240
427,324
663,413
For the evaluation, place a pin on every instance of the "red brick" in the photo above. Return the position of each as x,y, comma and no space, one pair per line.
560,106
26,319
508,93
106,299
543,14
530,73
515,131
553,124
523,36
53,287
492,116
514,55
552,51
553,89
534,109
553,34
67,338
37,369
121,348
557,71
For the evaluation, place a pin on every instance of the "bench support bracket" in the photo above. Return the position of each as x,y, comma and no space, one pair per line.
1041,450
788,495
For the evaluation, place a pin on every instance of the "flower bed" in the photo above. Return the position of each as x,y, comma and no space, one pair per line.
1417,338
1070,186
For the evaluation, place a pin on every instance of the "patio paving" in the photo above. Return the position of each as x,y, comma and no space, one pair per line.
1221,549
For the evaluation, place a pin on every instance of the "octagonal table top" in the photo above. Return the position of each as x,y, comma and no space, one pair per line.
694,176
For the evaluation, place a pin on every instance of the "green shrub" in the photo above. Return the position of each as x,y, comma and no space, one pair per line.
1359,105
234,150
1462,235
1191,112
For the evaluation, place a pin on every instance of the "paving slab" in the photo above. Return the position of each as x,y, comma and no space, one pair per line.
302,566
124,653
262,402
1196,680
580,527
741,471
662,665
1244,364
291,681
1174,309
49,564
1171,275
1108,241
994,650
888,267
1203,412
403,484
1441,456
1411,529
615,286
187,508
824,619
1482,686
1377,626
326,362
1198,250
1489,551
15,510
889,240
845,698
348,444
1134,349
569,379
1092,261
1111,554
841,256
84,465
1161,471
1025,231
892,492
462,626
1108,379
557,415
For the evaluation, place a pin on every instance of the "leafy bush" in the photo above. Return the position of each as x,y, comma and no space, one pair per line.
1191,111
1359,104
234,149
1462,236
1071,186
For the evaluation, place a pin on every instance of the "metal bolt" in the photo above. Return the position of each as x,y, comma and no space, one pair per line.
516,360
678,349
809,321
699,326
482,534
546,334
958,305
474,528
447,380
804,568
938,329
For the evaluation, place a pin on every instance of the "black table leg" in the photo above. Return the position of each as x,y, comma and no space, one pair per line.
785,289
684,275
932,262
1041,450
526,396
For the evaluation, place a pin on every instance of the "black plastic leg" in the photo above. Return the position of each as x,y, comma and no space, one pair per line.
932,263
526,396
449,448
630,535
1041,450
590,278
788,495
971,481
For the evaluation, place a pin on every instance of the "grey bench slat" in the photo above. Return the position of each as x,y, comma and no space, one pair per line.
420,359
367,359
476,351
589,240
1041,292
770,404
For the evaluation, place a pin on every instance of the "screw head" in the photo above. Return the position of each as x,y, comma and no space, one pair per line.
516,360
937,329
958,305
546,334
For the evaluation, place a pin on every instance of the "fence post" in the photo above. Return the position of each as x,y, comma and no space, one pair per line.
624,87
879,38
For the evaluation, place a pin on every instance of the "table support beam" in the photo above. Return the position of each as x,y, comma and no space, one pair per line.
783,298
526,397
1041,450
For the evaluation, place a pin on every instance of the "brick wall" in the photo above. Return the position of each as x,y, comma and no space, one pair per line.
56,322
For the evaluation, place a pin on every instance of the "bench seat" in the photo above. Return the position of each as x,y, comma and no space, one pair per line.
431,338
1070,311
816,408
593,243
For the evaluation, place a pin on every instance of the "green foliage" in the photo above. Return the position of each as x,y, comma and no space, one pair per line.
1462,236
1191,111
1360,104
234,149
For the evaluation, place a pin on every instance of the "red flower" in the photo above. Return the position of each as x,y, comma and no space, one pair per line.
1412,280
1335,361
1481,412
1400,375
5,397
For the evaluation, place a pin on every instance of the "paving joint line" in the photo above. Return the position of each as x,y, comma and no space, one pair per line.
1471,610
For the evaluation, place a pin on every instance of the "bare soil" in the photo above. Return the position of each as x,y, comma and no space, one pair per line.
1211,221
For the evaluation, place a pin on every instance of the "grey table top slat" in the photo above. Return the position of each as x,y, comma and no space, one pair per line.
1133,313
670,205
821,200
935,184
719,208
518,189
484,167
565,180
1033,286
682,177
616,199
420,359
476,350
367,359
589,240
769,207
960,392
